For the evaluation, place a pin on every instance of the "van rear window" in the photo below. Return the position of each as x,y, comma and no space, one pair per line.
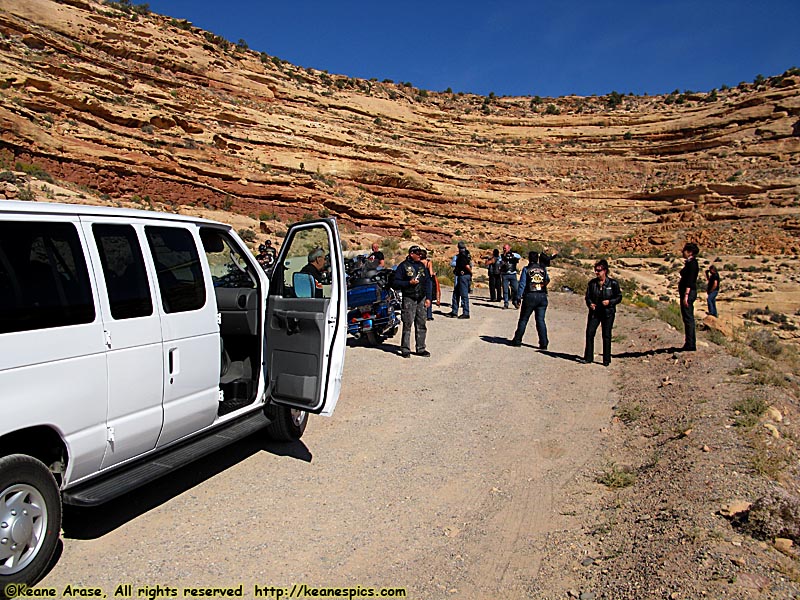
44,282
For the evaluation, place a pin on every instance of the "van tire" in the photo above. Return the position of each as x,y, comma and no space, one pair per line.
27,486
286,424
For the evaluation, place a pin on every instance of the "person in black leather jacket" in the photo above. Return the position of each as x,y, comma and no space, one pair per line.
412,278
602,296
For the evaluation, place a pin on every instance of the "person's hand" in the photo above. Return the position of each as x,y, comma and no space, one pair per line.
427,302
606,302
592,306
685,302
414,281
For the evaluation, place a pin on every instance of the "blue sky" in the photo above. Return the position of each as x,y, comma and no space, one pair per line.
517,48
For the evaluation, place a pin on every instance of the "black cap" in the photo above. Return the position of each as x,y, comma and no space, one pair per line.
415,250
462,245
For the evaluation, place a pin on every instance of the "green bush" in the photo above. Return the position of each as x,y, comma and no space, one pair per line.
390,244
573,278
671,313
26,194
749,409
644,300
34,171
765,343
616,477
628,287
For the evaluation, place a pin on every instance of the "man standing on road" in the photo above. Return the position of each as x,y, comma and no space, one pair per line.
533,290
462,269
508,269
412,278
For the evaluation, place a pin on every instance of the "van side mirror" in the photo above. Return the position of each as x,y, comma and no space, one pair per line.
303,285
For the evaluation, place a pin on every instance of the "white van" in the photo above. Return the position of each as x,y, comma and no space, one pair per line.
133,342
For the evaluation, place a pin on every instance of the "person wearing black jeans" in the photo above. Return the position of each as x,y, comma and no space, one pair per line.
687,288
495,277
533,291
602,296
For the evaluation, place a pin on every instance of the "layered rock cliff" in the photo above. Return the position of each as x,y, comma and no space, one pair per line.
134,106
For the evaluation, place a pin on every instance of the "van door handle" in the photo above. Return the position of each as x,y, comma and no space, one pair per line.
174,363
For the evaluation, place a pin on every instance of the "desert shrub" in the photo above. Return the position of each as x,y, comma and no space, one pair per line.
8,177
765,343
390,244
642,300
777,514
671,313
574,279
26,194
248,235
629,412
715,336
614,99
617,477
628,287
750,410
552,109
443,271
34,171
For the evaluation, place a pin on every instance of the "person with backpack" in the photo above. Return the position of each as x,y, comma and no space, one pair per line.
495,277
602,296
712,288
533,291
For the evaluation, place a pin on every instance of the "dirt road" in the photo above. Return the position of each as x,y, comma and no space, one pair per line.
441,475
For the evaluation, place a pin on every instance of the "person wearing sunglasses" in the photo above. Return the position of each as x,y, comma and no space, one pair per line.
602,296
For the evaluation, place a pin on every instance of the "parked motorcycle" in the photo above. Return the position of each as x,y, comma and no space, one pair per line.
373,307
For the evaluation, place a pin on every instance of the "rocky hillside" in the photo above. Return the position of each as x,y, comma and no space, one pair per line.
135,107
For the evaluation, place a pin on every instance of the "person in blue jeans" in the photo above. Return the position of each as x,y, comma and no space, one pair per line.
712,287
533,291
462,269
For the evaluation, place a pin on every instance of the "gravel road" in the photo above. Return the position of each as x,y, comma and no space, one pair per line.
441,475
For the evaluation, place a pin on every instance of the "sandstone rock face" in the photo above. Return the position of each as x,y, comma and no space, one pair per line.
141,105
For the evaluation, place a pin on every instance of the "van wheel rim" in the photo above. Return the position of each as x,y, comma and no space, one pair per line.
298,416
23,525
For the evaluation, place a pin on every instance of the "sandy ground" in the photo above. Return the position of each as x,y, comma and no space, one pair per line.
439,475
474,474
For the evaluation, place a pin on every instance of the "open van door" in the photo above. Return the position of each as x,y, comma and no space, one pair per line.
306,325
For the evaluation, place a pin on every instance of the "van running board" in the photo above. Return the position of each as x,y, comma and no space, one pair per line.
123,481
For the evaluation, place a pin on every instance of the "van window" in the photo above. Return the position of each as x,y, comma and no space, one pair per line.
308,253
229,269
124,271
43,277
180,276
